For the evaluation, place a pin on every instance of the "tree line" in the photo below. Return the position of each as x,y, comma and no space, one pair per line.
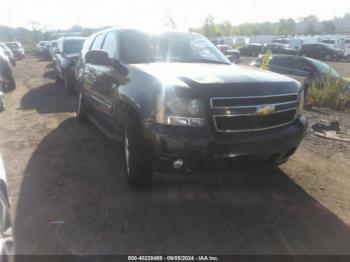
305,25
36,31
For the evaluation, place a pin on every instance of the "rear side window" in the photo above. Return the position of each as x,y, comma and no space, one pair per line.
86,46
280,61
110,45
298,64
97,44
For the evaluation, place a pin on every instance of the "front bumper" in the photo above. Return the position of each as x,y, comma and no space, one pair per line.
205,153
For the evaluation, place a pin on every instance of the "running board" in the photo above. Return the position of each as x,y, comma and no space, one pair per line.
104,128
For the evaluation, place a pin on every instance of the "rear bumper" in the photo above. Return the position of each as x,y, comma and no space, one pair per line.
204,153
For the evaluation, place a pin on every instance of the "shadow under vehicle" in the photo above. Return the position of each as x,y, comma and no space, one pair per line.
73,200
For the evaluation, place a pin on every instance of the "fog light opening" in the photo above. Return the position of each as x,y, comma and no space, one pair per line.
178,163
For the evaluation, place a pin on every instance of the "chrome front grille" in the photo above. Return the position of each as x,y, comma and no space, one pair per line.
253,113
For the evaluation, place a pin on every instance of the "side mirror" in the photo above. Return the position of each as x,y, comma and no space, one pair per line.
97,57
100,57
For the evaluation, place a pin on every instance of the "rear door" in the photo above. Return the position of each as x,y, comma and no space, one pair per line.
107,82
91,74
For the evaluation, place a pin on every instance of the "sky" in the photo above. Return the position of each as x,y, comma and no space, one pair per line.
150,14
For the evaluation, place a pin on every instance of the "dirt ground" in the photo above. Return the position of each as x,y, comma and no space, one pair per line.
69,195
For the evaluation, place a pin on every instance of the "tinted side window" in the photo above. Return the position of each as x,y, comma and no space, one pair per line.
97,44
298,64
86,47
110,45
280,61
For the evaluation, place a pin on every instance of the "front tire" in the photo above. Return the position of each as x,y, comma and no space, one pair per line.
11,85
68,86
137,163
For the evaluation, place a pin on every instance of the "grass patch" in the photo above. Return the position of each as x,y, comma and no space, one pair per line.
329,93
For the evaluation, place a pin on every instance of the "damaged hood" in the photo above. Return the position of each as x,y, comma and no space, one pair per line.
201,73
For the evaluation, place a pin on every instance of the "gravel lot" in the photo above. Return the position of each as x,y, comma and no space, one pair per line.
69,194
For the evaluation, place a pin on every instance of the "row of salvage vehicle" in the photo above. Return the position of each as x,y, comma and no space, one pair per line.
178,105
321,51
10,52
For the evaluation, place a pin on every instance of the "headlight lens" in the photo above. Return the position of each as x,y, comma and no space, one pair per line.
179,111
301,102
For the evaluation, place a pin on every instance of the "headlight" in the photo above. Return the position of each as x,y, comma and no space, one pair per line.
179,111
301,102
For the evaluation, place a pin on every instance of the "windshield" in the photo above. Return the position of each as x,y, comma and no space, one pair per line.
324,68
13,45
73,46
140,47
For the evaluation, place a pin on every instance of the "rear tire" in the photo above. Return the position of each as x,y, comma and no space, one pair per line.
82,108
11,85
137,163
2,106
58,79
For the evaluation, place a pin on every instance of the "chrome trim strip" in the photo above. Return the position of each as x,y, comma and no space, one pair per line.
249,130
101,101
250,106
279,111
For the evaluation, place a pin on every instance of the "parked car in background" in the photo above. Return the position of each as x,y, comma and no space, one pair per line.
6,238
321,51
347,43
232,54
278,48
335,43
180,107
66,57
304,69
17,49
7,80
53,48
283,41
40,47
347,54
7,51
251,50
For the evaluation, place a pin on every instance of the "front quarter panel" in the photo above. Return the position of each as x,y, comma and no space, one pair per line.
140,93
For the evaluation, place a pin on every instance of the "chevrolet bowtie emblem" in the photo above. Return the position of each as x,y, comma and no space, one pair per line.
265,110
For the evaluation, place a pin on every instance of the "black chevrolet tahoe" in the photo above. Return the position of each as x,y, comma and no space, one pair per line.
180,108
